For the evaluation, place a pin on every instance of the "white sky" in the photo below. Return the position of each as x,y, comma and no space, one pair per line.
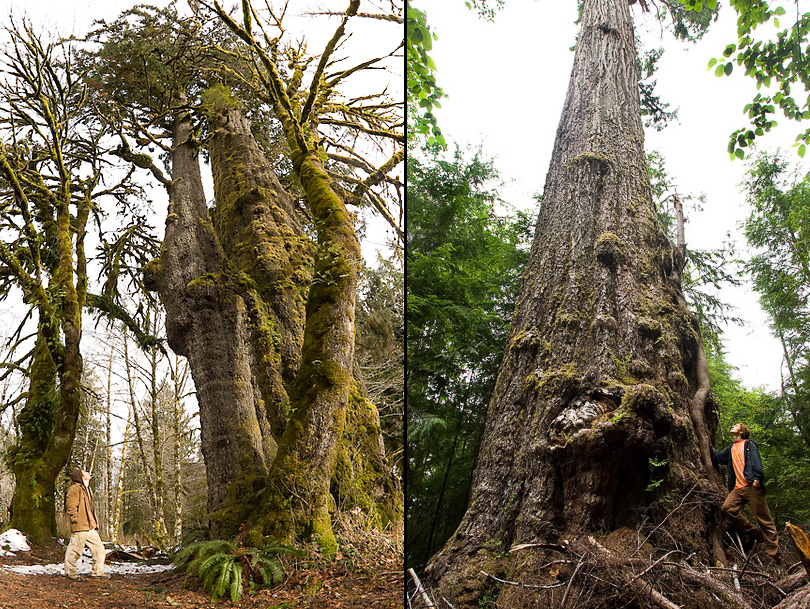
506,83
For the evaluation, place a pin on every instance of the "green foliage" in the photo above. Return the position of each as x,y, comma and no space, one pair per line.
655,111
423,94
484,8
779,230
688,20
224,568
465,257
780,62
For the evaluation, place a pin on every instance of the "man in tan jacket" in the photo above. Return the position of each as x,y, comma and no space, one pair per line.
81,508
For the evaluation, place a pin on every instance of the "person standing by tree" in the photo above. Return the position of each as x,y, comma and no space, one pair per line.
81,507
746,483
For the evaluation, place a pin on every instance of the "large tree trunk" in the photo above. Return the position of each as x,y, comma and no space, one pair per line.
242,283
208,321
263,238
601,366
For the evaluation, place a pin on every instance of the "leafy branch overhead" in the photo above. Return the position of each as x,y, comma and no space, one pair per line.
422,89
780,63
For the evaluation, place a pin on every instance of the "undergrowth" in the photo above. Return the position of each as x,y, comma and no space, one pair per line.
224,568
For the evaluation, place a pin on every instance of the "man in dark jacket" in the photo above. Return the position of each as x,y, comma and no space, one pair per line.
746,483
81,508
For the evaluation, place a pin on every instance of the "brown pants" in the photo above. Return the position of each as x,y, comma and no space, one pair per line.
755,498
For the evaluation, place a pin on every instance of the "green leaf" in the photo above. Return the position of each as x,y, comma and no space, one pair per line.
779,11
712,61
728,68
739,153
729,50
802,149
719,70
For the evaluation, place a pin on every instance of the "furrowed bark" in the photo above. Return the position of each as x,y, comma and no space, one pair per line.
591,416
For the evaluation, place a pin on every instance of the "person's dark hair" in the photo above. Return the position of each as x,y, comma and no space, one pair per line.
744,431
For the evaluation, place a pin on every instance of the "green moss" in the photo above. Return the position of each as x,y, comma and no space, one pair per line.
592,156
610,250
551,382
217,99
640,397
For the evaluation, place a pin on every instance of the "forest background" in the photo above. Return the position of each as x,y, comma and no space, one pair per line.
485,190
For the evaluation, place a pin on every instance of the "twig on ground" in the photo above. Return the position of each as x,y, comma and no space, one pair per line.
421,590
521,584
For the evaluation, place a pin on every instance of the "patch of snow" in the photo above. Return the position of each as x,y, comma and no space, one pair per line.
84,568
13,541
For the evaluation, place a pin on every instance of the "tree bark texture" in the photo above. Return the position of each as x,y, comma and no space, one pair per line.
241,301
256,223
592,402
208,321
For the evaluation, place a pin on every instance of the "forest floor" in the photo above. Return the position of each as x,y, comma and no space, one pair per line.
373,580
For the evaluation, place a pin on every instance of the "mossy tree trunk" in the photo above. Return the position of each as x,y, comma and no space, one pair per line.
258,227
208,321
297,501
48,421
591,424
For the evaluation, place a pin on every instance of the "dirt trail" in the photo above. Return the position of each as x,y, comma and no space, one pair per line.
340,586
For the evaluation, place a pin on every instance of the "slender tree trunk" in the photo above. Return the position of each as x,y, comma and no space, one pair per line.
147,469
157,506
119,487
431,540
49,419
180,374
601,366
108,485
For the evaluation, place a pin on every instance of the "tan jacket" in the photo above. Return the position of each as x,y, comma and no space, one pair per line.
81,508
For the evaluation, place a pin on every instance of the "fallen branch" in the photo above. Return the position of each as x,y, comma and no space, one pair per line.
640,587
571,581
563,547
718,588
428,603
747,560
521,584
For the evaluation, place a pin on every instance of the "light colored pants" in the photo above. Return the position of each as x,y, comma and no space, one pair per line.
76,546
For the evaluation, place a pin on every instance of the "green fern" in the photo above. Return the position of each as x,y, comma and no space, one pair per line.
224,569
